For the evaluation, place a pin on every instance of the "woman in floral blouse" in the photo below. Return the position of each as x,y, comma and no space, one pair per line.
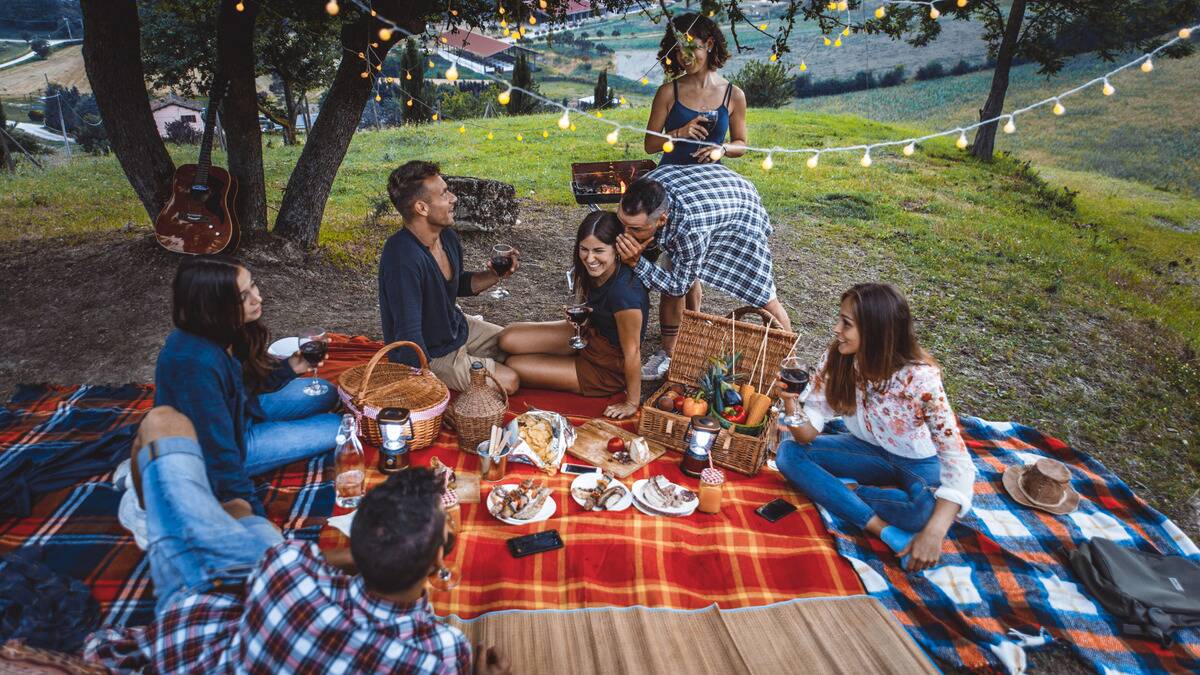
902,473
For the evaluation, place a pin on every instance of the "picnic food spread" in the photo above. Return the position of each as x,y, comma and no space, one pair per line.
518,502
603,493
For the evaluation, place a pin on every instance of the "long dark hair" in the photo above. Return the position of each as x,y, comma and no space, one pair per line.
603,225
887,343
207,303
700,28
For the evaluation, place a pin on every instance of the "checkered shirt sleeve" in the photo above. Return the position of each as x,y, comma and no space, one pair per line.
717,232
298,614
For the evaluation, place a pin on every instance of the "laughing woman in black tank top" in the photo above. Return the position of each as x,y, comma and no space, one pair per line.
698,103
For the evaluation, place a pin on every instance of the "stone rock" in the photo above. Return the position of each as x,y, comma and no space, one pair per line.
483,205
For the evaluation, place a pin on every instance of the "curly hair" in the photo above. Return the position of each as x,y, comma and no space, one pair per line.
700,28
406,185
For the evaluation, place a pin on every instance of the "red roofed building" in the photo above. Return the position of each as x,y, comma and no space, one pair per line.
489,54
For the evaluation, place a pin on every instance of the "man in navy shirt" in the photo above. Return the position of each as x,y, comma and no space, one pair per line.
420,276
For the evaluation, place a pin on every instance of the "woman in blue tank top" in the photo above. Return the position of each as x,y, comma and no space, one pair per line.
698,103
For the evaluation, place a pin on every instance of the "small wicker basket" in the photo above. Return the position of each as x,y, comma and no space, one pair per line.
367,389
478,409
702,336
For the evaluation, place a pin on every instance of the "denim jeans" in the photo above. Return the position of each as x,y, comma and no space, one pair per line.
815,469
298,426
193,545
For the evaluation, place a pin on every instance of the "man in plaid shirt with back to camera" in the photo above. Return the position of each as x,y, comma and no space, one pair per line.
233,596
707,223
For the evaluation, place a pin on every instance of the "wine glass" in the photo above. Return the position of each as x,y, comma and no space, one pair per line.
313,348
502,262
446,577
794,374
578,315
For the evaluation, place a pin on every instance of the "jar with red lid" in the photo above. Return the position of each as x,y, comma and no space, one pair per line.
712,482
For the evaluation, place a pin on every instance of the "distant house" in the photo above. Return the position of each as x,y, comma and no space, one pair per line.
480,52
575,11
172,107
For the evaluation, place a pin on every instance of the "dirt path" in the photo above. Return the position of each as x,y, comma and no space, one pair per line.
65,66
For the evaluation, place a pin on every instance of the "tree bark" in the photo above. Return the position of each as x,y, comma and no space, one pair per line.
308,188
6,160
985,137
112,56
239,112
289,107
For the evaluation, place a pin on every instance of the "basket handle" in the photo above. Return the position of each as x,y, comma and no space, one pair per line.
768,319
499,386
362,388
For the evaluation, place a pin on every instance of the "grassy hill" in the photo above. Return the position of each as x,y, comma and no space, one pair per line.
1078,311
1146,132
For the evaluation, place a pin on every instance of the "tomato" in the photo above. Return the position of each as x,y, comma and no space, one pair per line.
677,403
616,444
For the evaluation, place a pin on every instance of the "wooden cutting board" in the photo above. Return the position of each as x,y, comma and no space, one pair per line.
591,445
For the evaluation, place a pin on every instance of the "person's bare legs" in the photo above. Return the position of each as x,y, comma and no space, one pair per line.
546,371
507,377
543,337
776,310
695,296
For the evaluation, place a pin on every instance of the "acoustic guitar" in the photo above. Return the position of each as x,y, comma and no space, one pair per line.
199,218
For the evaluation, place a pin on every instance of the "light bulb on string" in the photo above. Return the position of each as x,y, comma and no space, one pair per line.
364,74
520,137
374,45
1147,65
837,42
507,32
774,57
880,12
503,23
434,117
612,136
431,64
532,20
379,66
490,136
452,73
961,3
827,41
385,34
716,153
910,149
933,12
866,159
542,4
407,75
565,120
599,114
362,55
332,7
241,7
374,13
462,129
803,66
501,9
378,98
1108,88
762,26
668,146
409,103
645,80
505,96
961,143
572,126
768,163
846,31
667,60
812,161
1185,33
843,5
1010,127
545,134
832,6
1058,108
621,100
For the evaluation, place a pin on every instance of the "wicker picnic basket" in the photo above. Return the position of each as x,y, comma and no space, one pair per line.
368,388
701,337
478,409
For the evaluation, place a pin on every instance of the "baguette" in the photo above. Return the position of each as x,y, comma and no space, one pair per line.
757,409
747,391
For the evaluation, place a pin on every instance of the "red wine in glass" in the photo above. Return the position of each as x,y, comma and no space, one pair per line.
578,315
794,379
313,348
502,264
794,374
314,352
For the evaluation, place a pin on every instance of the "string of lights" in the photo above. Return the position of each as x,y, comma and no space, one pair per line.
1144,62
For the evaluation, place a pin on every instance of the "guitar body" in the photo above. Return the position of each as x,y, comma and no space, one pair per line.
199,221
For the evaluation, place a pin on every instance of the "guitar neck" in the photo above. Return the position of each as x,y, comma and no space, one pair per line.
205,160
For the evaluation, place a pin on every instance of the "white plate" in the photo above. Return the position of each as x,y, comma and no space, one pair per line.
548,508
640,502
587,481
284,347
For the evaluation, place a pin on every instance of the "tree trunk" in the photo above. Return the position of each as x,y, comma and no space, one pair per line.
112,56
289,107
239,112
308,188
6,160
985,137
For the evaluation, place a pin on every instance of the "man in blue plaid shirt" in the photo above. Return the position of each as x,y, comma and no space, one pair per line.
233,596
708,224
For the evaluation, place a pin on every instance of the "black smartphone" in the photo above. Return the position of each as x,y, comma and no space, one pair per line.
775,509
578,468
538,542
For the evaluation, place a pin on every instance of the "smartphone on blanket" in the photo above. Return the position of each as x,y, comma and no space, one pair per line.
775,509
539,542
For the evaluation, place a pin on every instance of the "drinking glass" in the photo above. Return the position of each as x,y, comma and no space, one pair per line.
578,316
502,262
446,576
313,348
794,373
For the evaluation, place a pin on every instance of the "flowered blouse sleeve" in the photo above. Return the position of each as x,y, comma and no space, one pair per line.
957,469
816,406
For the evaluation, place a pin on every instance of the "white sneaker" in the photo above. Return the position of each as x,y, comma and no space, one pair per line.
656,366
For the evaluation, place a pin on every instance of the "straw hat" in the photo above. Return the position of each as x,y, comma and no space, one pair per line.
1045,485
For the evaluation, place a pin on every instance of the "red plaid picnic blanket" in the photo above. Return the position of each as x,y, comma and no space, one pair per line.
735,559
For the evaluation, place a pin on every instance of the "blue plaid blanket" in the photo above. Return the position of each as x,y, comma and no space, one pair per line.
1003,583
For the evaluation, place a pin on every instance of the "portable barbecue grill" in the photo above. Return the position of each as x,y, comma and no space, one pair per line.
604,182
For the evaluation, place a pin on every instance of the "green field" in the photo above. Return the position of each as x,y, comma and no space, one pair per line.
10,50
1147,131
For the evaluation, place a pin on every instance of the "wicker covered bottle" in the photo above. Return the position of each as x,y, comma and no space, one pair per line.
478,408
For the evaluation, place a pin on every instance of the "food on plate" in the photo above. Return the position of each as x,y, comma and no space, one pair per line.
537,434
639,450
661,493
666,402
605,495
616,444
444,473
519,502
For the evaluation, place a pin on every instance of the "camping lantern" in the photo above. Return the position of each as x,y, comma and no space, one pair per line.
395,426
701,434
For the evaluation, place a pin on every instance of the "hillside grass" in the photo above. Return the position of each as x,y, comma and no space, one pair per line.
1147,131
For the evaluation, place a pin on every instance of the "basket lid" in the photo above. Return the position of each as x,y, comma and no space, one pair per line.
702,336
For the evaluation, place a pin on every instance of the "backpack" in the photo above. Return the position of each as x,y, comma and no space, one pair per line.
1152,595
